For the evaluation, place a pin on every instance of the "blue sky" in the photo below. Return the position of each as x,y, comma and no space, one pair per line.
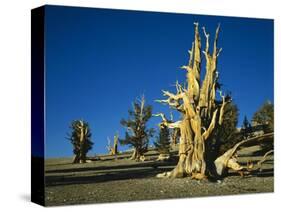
98,61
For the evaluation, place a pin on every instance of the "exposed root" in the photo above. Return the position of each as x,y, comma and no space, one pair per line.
264,158
164,175
198,176
133,157
234,165
228,159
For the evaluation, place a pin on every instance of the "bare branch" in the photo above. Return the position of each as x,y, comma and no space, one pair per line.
187,68
215,51
207,40
169,94
167,122
176,124
222,108
219,51
191,55
197,54
179,87
86,130
170,102
264,158
222,161
162,115
211,127
165,101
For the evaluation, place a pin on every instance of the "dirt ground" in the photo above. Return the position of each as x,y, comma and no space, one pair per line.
125,180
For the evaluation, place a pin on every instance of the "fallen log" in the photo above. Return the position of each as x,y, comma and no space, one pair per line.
229,159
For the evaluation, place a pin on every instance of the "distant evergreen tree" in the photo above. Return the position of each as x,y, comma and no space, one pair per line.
162,143
137,134
246,123
246,129
80,138
226,135
175,136
265,116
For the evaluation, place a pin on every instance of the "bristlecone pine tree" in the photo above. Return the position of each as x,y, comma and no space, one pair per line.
162,144
265,116
80,138
201,113
113,150
137,134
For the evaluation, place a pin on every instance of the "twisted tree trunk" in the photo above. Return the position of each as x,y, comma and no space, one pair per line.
83,132
76,158
201,112
137,154
115,144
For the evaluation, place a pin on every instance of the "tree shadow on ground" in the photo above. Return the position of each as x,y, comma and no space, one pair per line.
125,172
152,164
105,177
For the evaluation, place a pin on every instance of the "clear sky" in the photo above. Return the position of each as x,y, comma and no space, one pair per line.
98,61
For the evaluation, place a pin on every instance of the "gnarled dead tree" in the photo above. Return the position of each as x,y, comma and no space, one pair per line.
113,150
201,111
80,138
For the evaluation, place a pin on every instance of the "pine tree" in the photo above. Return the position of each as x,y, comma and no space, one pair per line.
201,111
265,116
175,136
246,129
226,134
201,115
162,143
80,138
137,134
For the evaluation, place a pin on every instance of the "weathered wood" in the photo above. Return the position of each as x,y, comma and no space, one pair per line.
264,158
80,140
228,159
113,150
200,113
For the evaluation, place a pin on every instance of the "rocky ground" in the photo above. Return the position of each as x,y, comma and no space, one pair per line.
125,180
